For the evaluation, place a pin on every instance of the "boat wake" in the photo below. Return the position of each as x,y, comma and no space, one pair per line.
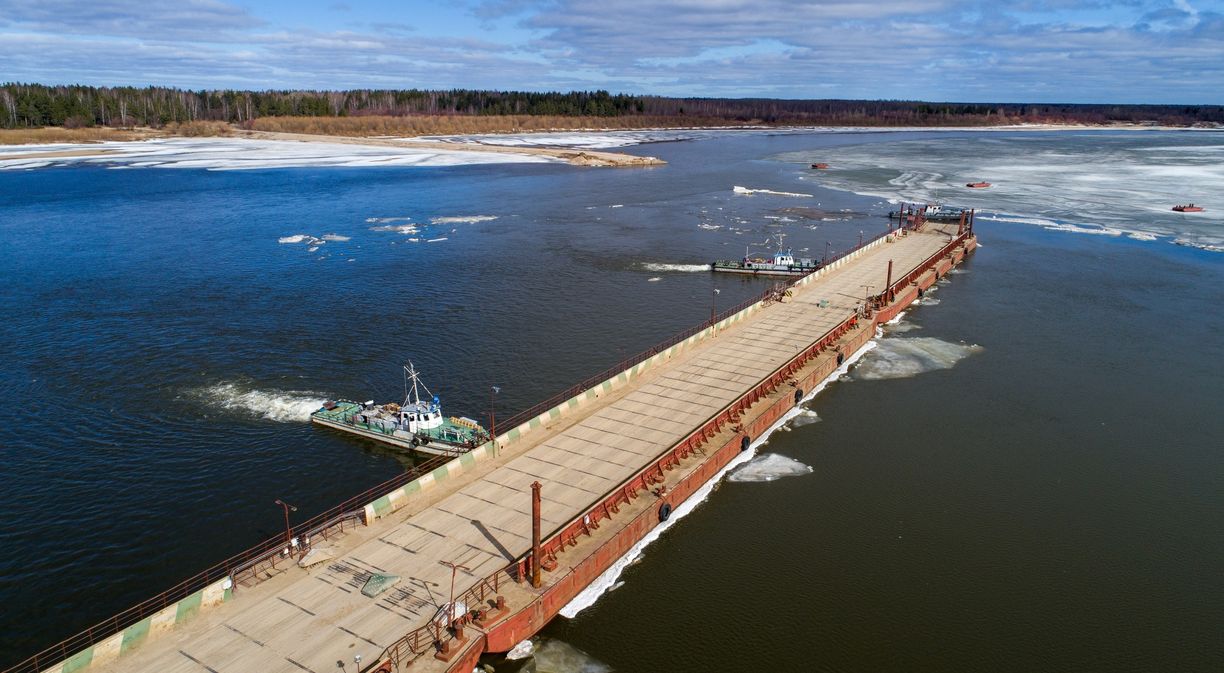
283,406
684,268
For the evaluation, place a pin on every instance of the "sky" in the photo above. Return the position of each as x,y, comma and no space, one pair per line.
1125,51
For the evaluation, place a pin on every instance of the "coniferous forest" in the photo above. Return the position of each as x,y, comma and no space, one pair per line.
37,105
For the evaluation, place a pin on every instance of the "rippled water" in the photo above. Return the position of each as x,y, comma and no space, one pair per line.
1047,502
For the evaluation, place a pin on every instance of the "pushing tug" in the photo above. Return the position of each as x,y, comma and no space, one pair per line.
782,263
416,424
1188,208
977,185
936,213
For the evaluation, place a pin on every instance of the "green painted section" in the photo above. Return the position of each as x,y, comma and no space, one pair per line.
514,434
381,505
554,413
573,403
134,634
590,394
229,593
534,423
413,486
441,474
607,386
189,606
622,377
467,460
78,661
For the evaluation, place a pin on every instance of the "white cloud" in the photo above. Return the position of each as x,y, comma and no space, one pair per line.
1040,50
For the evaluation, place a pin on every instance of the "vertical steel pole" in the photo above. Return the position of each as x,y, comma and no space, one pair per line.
535,534
888,283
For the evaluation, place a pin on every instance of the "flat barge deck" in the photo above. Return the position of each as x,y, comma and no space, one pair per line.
534,519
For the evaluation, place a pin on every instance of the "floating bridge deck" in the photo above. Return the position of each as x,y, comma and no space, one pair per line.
318,620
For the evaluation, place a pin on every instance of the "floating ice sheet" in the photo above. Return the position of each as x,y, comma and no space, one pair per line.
768,467
896,358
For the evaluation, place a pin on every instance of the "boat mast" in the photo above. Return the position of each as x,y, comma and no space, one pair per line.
410,373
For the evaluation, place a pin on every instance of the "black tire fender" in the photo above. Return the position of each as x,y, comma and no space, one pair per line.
665,511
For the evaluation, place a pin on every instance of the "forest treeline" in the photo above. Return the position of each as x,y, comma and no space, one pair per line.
37,105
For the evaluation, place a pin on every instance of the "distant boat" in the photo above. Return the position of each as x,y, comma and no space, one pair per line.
1188,208
820,166
977,185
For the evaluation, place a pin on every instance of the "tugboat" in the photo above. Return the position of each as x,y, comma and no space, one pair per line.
977,185
783,263
820,166
935,213
1188,208
416,424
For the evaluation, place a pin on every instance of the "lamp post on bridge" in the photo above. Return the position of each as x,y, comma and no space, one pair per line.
288,531
455,568
493,390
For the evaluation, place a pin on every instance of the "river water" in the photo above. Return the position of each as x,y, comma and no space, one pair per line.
1024,474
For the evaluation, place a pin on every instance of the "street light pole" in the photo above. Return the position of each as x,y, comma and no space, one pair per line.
826,255
493,390
288,531
454,569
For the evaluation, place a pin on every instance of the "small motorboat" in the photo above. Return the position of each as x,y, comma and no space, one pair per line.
977,185
1188,208
820,166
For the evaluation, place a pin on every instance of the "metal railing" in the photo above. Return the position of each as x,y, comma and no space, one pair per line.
245,566
627,363
427,638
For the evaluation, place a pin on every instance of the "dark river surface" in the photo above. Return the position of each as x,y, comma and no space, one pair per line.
1026,474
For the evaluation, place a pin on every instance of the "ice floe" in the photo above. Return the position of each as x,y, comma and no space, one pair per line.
222,154
768,467
746,191
465,219
903,357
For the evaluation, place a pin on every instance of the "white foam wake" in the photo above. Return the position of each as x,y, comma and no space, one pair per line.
284,406
607,581
662,266
744,190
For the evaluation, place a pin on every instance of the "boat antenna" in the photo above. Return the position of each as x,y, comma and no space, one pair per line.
410,372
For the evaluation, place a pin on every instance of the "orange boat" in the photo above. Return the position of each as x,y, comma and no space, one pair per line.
977,185
820,166
1188,208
